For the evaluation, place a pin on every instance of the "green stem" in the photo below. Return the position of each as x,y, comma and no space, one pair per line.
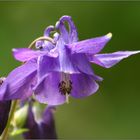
5,133
41,38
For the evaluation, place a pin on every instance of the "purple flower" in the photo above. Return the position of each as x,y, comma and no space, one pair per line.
56,71
4,111
44,129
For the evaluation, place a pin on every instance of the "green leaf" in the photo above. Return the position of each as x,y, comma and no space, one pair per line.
19,131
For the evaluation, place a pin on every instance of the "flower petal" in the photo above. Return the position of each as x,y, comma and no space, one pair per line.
63,31
26,54
82,64
46,65
48,124
47,90
110,59
46,45
4,113
65,58
44,129
48,30
73,36
18,83
30,123
90,46
83,85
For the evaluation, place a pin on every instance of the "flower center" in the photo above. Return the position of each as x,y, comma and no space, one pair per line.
65,86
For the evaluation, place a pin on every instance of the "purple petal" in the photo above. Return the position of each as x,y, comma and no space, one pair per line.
39,44
63,31
47,90
48,114
56,36
73,36
4,113
48,30
66,62
45,129
46,65
97,78
26,54
110,59
65,58
90,46
48,124
18,83
83,85
47,45
31,124
81,62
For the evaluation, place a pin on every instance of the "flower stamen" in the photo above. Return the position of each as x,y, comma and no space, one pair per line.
65,86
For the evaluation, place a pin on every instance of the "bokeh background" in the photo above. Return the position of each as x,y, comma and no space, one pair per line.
114,111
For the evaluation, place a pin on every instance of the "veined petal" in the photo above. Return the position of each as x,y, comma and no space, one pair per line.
90,46
81,62
110,59
73,35
83,85
63,31
47,90
18,83
46,65
65,58
26,54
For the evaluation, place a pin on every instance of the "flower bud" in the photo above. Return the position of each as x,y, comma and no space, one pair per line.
43,129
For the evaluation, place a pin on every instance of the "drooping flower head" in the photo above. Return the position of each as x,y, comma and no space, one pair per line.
42,129
62,68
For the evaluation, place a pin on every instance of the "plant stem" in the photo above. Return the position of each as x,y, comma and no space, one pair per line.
41,38
5,133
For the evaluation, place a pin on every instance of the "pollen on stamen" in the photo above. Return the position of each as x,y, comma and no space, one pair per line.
65,88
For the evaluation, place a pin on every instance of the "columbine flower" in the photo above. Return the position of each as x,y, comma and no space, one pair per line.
44,129
4,110
61,69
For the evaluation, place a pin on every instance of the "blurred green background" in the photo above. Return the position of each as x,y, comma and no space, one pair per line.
114,111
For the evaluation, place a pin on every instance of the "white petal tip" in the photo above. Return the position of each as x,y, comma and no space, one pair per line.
13,50
109,35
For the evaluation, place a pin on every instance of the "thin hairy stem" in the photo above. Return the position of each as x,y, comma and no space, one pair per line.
41,38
